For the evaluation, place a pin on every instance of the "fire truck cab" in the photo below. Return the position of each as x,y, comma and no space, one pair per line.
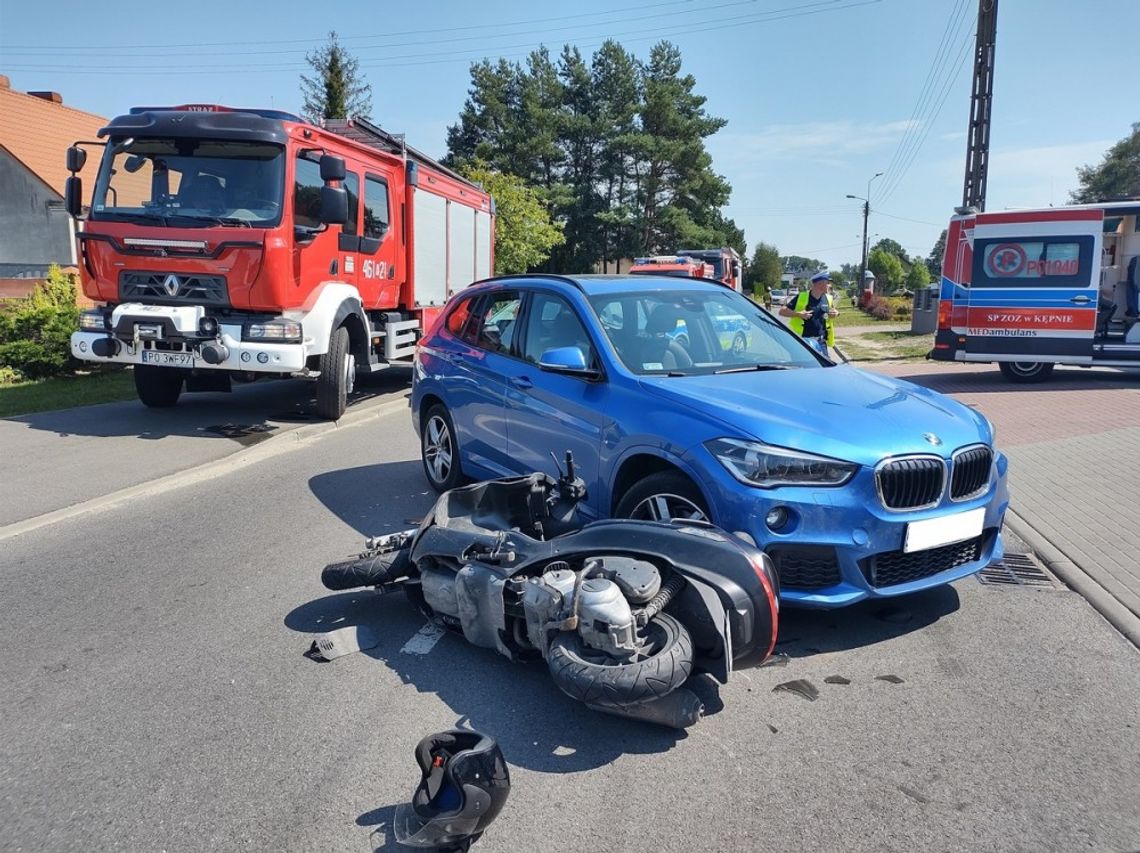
1031,289
229,244
674,265
721,265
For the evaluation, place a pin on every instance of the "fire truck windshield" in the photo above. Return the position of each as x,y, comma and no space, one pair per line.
190,182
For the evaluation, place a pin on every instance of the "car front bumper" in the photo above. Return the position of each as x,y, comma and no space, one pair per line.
841,546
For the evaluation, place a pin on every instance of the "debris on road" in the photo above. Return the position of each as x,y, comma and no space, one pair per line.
801,687
343,641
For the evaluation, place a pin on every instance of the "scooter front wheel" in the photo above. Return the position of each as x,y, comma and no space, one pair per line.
666,667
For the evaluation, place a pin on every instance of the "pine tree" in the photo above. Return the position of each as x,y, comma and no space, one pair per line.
337,89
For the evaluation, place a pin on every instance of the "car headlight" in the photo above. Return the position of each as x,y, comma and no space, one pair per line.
758,464
993,430
278,331
92,321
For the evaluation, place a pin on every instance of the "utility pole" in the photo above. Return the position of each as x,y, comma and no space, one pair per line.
866,215
981,103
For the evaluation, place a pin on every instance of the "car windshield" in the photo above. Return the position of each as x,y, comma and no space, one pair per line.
190,182
690,332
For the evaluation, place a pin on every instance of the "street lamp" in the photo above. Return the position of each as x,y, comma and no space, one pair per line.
866,213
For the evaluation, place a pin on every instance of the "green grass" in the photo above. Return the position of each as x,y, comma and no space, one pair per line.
44,395
849,316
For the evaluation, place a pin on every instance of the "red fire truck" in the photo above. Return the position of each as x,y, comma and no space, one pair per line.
671,265
721,265
230,244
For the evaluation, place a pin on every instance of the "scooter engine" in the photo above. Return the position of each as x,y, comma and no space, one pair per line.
606,622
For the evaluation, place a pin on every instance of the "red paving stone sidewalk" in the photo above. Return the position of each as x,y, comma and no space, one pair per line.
1074,449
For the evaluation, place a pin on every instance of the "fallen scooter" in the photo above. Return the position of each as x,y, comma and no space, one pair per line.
622,611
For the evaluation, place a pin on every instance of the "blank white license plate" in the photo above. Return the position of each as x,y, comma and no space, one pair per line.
944,530
168,359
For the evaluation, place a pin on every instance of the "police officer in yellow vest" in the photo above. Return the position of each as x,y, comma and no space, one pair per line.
811,314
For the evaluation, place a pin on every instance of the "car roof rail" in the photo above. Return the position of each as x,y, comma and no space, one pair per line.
564,279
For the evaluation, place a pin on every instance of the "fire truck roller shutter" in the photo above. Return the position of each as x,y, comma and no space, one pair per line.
430,248
482,245
461,247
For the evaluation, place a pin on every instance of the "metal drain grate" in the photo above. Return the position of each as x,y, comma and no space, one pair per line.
1015,570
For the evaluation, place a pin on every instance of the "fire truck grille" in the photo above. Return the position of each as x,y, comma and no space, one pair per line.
173,288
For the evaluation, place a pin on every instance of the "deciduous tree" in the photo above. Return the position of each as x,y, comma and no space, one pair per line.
524,235
1117,175
887,268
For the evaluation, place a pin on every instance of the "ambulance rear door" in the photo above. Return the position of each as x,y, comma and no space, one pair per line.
1033,291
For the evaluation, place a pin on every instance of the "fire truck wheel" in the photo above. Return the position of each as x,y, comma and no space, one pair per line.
158,387
1026,371
337,374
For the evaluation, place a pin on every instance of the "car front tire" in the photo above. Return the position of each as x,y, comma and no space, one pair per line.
663,496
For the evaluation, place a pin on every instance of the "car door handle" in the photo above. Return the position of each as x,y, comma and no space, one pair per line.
1081,300
523,382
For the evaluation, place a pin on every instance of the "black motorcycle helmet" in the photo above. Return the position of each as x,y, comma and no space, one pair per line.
463,785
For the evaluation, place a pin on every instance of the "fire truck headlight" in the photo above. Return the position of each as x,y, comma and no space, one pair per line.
278,331
93,321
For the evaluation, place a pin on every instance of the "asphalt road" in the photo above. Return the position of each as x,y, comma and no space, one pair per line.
156,697
52,460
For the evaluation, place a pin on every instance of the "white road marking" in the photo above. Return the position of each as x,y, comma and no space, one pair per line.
423,641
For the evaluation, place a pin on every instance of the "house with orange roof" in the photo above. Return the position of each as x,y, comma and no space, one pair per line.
35,229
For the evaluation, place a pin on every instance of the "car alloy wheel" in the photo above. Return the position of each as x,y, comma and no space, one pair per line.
665,507
438,449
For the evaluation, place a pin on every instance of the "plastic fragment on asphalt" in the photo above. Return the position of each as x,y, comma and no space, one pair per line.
343,641
779,659
801,687
836,679
893,679
423,641
773,729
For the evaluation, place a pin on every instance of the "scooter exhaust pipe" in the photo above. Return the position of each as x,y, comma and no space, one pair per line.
677,710
375,570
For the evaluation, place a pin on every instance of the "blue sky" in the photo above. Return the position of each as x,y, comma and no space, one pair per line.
819,94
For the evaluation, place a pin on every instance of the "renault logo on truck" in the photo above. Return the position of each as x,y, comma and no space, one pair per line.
171,284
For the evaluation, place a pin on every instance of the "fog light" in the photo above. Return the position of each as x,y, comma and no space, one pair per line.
776,518
245,356
263,358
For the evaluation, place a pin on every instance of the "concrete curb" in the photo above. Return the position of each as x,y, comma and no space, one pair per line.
1119,616
284,442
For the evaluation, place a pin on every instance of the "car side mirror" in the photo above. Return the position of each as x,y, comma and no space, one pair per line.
570,361
334,205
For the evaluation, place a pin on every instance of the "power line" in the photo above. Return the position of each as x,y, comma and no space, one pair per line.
908,219
936,66
55,45
633,36
385,45
956,72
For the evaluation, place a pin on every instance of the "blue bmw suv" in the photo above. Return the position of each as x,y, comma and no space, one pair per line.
683,399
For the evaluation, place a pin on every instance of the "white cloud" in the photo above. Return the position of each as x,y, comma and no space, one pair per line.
824,142
1035,176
